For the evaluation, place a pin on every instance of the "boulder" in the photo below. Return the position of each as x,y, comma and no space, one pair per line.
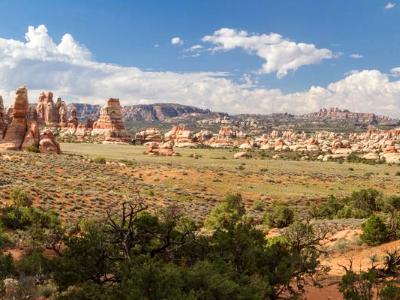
241,155
391,158
48,143
371,156
164,149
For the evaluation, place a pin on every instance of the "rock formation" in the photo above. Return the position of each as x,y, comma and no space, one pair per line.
49,113
22,132
63,113
2,119
16,130
148,135
224,139
181,136
32,136
47,110
73,120
48,143
164,149
110,124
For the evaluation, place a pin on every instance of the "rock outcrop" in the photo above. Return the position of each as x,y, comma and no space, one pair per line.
50,113
22,133
164,149
16,130
2,119
48,143
148,135
32,136
110,124
180,136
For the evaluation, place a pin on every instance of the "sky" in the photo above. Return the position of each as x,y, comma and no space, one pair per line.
234,56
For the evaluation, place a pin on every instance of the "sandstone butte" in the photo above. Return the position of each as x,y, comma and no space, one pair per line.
110,124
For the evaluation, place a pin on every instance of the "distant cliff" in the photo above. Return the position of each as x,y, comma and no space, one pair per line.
336,114
142,112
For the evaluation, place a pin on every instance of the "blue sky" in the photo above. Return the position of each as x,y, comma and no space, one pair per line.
138,34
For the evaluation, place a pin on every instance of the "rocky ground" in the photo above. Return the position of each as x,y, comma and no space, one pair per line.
89,179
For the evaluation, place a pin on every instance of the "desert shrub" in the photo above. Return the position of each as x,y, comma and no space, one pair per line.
88,291
19,197
230,211
279,216
375,231
329,209
358,286
161,256
348,211
389,292
7,267
258,205
99,160
368,200
33,149
391,203
129,163
33,264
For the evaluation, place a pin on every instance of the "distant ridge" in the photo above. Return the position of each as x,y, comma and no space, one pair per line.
142,112
164,111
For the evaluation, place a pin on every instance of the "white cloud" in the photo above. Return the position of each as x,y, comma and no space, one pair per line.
395,72
177,41
68,69
390,5
280,55
194,48
356,56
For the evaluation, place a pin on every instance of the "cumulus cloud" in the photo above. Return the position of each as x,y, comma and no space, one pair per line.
280,55
390,5
177,41
69,69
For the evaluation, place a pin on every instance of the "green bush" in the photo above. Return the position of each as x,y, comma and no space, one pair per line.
258,205
358,286
32,148
375,231
279,216
228,213
99,160
329,209
20,198
390,292
348,212
368,200
7,267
